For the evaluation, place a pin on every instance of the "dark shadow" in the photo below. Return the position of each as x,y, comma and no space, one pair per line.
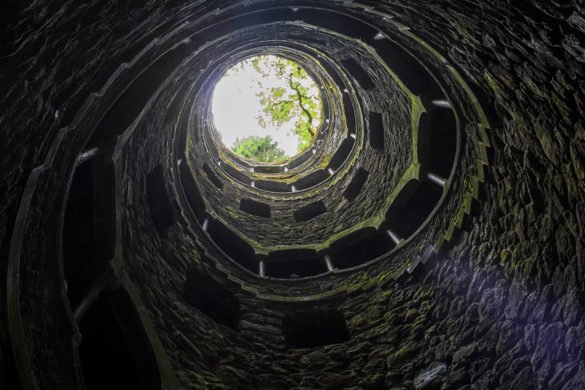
159,203
342,24
192,193
312,179
341,153
236,174
269,169
410,71
376,128
297,161
358,73
294,263
314,328
233,246
255,208
359,247
211,298
356,184
132,101
437,140
89,230
412,207
212,176
349,112
310,211
273,186
115,352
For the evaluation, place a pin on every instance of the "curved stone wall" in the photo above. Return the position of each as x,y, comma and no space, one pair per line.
439,248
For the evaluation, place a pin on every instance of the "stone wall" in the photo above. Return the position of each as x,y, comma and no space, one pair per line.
501,307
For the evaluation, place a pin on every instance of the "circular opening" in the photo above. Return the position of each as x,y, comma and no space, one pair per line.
267,109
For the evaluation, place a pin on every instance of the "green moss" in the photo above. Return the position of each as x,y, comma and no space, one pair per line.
411,315
494,85
412,173
505,256
360,281
423,292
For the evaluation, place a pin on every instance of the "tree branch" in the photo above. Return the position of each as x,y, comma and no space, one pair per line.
300,97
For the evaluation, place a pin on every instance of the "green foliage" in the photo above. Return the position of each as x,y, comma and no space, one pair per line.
283,105
261,149
289,98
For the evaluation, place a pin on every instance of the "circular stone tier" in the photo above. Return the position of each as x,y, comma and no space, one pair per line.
380,169
140,253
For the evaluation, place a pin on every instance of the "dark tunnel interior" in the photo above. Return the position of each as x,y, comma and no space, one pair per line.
430,236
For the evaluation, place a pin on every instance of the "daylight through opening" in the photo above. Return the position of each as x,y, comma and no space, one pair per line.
267,109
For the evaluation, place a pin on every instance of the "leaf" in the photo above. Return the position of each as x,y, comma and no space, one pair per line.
298,103
259,149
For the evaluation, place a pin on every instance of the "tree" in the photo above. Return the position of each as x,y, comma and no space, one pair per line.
260,149
288,100
281,105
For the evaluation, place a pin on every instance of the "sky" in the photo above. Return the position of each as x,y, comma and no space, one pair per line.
235,107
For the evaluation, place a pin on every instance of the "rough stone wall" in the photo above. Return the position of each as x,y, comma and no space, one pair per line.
486,330
503,308
387,166
52,56
527,244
